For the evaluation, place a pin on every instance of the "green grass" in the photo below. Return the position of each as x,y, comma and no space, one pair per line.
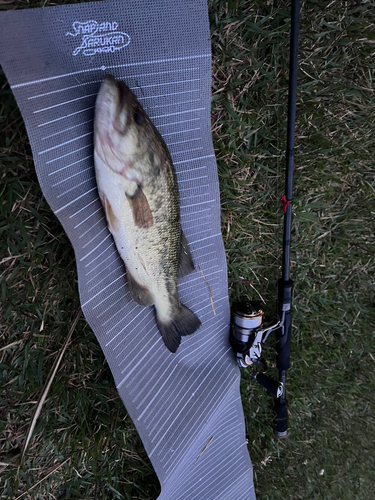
84,430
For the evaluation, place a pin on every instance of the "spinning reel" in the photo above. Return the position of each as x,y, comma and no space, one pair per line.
246,338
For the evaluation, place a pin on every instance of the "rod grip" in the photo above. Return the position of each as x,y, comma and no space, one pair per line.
281,419
268,383
284,335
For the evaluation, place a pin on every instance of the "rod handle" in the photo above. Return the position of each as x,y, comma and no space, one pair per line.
272,386
284,334
281,419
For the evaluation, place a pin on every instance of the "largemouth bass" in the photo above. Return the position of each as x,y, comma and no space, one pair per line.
138,189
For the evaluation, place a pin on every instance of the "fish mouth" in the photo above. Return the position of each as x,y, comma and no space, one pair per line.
113,140
119,91
113,106
111,116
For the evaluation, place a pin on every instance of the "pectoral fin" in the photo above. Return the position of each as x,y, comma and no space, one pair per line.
186,261
110,216
139,293
142,214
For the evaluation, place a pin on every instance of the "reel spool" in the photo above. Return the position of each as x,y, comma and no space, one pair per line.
246,333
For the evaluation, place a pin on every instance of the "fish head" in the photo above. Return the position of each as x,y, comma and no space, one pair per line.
124,137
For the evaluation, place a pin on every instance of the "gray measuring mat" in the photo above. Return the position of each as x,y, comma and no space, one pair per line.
186,406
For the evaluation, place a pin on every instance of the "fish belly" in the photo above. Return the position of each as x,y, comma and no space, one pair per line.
142,250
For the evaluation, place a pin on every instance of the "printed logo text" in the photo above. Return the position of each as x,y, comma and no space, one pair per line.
98,37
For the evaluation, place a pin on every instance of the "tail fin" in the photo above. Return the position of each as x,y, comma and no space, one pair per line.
185,322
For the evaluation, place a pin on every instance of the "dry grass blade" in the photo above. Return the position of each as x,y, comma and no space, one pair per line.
205,448
10,345
44,478
47,385
209,291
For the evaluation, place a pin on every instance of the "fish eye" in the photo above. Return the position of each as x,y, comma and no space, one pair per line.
137,116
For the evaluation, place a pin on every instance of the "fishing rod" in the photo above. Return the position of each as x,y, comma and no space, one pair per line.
247,334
